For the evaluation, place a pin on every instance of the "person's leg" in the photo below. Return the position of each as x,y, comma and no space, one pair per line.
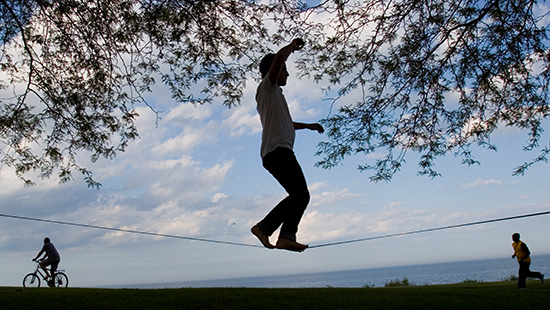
534,274
53,269
282,164
522,274
44,264
45,270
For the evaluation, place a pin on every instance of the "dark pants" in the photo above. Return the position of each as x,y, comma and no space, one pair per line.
525,273
282,164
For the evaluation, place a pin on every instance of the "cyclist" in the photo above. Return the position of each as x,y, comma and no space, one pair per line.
51,257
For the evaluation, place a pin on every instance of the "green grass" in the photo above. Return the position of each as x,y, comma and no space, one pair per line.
480,295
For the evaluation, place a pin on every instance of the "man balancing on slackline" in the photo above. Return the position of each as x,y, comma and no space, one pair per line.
278,132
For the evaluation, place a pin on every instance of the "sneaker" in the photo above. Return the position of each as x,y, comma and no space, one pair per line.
542,278
51,283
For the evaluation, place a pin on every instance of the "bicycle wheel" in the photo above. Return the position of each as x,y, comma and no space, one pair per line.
61,280
31,280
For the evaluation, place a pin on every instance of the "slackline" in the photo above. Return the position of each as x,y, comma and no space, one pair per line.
127,230
258,246
433,229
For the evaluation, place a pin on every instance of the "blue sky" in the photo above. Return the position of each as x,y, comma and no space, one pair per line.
199,174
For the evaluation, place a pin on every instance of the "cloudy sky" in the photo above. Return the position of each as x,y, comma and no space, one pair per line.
198,174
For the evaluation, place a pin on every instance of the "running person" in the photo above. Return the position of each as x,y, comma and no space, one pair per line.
522,253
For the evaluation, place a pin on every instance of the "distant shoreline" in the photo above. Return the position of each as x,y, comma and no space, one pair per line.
493,269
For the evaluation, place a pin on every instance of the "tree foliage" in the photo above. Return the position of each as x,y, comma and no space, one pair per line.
78,69
433,77
436,77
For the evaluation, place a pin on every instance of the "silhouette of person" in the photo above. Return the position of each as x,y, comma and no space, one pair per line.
278,133
51,257
522,253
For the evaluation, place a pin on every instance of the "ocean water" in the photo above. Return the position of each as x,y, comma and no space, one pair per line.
487,270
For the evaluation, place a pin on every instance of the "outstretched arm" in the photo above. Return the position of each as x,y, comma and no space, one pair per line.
38,255
281,57
313,126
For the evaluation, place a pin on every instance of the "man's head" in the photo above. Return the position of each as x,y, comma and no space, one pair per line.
46,240
265,65
515,237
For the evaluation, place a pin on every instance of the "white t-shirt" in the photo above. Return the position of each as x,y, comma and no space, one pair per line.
278,127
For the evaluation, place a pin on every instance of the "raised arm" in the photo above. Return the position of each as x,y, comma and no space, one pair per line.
281,57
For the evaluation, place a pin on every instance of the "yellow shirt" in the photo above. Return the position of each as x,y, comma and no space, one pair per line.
520,253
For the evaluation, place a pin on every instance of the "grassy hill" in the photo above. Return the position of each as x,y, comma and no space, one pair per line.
494,295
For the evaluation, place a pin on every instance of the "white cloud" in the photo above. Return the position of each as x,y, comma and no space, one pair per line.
481,182
298,112
316,186
242,121
218,196
328,198
185,113
182,143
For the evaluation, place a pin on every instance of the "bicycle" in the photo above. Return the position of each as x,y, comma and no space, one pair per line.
33,279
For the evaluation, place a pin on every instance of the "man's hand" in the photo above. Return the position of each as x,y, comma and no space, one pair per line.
317,127
314,126
297,44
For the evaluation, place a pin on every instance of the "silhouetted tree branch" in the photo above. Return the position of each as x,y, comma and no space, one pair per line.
433,77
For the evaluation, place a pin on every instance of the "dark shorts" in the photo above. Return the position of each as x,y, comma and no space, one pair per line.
53,262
